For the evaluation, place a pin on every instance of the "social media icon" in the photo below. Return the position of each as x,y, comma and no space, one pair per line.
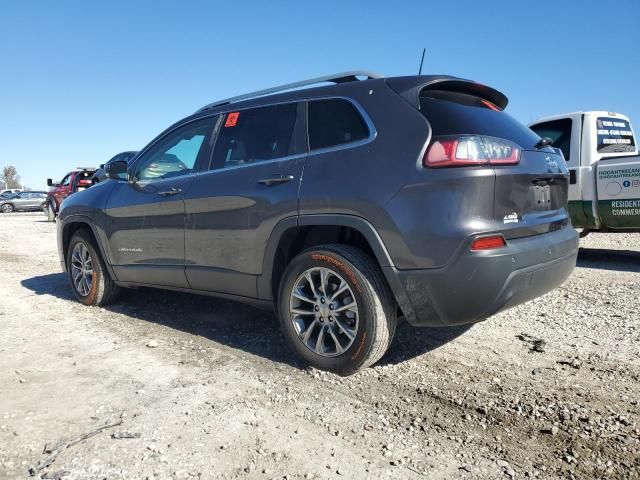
626,184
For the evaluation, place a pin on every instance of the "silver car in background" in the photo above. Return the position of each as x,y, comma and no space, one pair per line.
23,201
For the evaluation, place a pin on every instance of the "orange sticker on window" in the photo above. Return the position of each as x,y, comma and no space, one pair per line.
232,119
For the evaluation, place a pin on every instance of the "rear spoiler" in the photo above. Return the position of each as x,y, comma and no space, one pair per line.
410,88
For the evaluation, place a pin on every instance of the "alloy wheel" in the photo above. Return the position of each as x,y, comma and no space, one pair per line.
81,269
324,312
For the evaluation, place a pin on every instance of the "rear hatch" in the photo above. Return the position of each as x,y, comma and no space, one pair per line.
531,181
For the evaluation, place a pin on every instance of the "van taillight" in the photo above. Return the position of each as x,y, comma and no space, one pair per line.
488,243
471,150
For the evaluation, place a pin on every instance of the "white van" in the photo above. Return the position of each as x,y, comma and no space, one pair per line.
602,157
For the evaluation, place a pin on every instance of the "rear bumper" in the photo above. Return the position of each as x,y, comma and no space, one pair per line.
476,285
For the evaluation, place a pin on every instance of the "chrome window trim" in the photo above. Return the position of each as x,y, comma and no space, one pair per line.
263,162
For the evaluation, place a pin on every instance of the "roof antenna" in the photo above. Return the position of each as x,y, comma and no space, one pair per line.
424,50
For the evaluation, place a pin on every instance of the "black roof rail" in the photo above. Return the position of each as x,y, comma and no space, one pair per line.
335,78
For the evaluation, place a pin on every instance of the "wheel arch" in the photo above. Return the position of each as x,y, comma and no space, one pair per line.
292,235
72,225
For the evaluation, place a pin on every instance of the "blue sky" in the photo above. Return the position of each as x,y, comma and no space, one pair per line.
82,81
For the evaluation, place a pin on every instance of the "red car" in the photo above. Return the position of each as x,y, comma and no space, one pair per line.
72,182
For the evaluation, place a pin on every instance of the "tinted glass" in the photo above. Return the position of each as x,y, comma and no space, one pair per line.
334,122
66,180
451,113
614,135
255,135
559,131
175,154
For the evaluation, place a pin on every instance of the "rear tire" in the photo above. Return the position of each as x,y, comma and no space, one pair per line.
90,280
336,309
7,208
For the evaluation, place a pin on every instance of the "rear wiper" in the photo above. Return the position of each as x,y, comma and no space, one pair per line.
544,142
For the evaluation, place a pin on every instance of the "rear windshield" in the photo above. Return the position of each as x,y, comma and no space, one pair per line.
452,113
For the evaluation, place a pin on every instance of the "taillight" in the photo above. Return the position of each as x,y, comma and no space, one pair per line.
489,242
471,150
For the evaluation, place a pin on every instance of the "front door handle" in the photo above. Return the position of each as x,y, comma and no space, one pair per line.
276,180
171,191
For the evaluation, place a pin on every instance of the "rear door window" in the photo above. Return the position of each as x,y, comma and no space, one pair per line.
453,113
334,122
256,135
559,131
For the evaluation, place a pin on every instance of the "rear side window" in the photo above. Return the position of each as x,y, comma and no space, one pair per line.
256,135
559,131
452,113
334,122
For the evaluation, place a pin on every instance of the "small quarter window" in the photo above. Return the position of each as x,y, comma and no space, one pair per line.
334,122
255,135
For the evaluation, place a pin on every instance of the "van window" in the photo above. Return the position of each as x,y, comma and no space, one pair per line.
614,135
255,135
559,131
334,122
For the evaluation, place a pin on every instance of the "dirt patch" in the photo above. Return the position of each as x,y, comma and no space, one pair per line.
205,388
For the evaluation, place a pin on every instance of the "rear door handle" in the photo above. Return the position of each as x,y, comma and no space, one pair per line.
171,191
276,180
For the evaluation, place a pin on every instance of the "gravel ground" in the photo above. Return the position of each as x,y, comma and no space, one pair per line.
168,385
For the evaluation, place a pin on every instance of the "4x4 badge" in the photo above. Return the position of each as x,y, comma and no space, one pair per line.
511,218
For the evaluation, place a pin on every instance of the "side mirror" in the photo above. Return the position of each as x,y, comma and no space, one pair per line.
116,170
49,182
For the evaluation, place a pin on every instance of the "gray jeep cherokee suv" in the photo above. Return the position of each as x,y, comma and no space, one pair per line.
342,205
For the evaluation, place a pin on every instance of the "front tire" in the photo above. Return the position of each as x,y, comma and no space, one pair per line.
51,212
90,280
336,309
7,208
